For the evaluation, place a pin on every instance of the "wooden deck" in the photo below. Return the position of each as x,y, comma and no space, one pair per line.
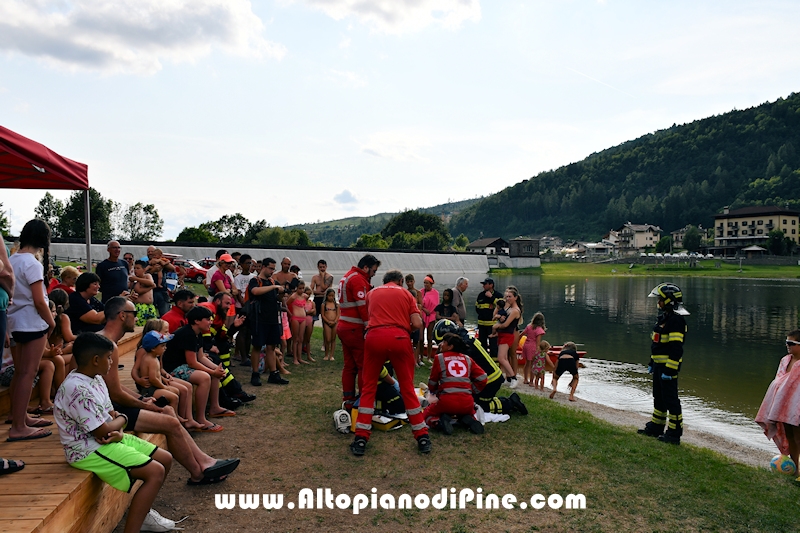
50,496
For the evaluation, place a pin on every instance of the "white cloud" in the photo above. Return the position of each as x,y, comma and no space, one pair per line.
345,197
345,42
401,16
396,145
131,36
347,78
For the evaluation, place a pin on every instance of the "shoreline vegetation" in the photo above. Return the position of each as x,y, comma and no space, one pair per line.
709,268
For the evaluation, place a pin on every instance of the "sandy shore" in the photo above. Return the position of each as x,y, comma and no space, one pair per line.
737,452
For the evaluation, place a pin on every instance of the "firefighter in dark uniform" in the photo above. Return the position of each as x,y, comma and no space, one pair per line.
487,398
484,305
668,337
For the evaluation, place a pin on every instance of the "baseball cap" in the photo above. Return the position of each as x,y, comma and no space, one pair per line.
487,280
153,338
226,258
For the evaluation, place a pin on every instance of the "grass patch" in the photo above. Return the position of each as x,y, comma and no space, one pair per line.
631,483
706,268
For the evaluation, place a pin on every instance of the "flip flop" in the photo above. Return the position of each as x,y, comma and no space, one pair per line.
41,423
42,433
9,466
8,420
206,481
226,412
213,428
40,411
222,467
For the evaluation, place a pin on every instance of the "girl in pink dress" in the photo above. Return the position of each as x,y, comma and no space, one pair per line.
533,372
430,299
779,414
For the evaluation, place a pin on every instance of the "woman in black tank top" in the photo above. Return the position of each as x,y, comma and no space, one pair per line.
506,330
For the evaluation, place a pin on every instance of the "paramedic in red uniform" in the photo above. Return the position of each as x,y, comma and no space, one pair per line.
393,314
353,289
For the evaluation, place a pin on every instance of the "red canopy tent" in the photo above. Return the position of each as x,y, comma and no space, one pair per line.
26,164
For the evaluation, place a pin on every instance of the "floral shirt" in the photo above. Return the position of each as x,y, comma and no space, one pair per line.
82,405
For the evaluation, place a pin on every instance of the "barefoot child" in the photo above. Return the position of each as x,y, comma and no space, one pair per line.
530,350
310,310
779,415
154,345
540,364
567,362
92,432
330,318
142,285
297,312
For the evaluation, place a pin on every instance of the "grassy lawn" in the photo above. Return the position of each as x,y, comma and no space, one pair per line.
631,482
707,268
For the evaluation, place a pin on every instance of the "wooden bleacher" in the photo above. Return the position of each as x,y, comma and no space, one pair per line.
50,496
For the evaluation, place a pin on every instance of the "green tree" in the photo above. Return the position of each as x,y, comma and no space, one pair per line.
229,228
664,244
50,209
141,223
776,243
414,222
72,223
192,234
253,230
373,241
281,237
461,242
5,226
692,239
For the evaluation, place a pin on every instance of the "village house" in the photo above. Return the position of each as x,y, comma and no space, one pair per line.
750,226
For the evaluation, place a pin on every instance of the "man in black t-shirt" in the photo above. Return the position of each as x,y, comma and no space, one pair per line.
264,319
113,274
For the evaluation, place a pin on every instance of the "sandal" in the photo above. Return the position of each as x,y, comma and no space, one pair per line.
213,428
226,412
9,466
206,480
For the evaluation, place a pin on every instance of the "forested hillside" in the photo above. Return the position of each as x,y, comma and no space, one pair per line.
681,175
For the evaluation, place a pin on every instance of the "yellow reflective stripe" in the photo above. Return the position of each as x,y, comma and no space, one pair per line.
675,336
673,364
484,306
662,414
660,359
486,322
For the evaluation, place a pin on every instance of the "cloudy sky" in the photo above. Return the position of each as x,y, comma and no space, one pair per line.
303,110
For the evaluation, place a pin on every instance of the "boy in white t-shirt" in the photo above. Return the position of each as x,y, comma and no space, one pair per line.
92,432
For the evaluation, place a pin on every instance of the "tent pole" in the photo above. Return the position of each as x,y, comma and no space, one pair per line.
88,231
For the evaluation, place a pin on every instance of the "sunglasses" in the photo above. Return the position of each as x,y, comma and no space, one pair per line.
792,343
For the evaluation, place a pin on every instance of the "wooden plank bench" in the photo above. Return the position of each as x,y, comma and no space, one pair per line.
50,496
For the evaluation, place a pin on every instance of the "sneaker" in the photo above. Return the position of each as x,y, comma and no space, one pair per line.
359,446
155,522
255,379
245,397
513,383
276,379
516,402
424,444
446,424
473,425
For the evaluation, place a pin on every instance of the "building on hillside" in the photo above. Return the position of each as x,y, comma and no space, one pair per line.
490,246
636,238
677,235
612,237
548,242
603,248
750,226
521,252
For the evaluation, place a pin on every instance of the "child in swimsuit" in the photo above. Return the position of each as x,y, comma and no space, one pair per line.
330,318
310,311
297,312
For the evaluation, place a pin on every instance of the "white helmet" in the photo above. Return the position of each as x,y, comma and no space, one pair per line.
342,421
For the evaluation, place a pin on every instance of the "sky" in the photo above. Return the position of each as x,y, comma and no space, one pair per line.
300,111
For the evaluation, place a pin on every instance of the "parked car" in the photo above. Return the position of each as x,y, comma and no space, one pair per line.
207,263
194,271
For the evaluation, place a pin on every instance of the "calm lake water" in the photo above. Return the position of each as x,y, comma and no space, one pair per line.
734,343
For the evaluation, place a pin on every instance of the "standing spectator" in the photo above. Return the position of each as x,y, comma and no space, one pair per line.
264,318
353,289
392,314
184,300
30,322
113,273
430,299
286,277
240,283
484,305
142,293
69,275
85,311
416,335
214,268
320,283
458,297
128,258
220,280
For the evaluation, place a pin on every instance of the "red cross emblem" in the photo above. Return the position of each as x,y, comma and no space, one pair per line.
457,369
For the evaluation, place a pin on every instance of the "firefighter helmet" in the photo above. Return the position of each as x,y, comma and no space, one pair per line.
443,327
671,295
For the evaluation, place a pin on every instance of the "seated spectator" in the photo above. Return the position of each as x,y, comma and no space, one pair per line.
69,275
85,311
92,432
142,293
184,301
61,335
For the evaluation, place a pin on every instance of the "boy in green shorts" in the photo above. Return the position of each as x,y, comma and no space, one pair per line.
92,432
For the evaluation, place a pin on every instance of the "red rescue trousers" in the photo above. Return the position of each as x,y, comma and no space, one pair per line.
457,404
353,349
394,344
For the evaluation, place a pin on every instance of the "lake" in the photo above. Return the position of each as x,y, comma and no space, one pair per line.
734,342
